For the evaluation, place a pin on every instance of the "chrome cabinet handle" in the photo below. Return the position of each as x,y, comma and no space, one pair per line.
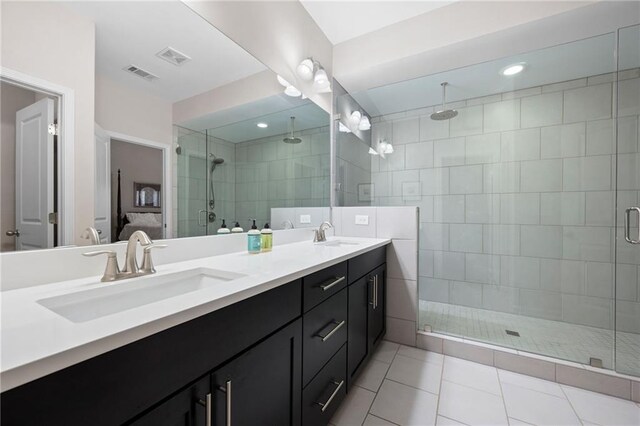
200,217
330,283
227,390
325,405
207,406
333,330
14,233
627,225
375,292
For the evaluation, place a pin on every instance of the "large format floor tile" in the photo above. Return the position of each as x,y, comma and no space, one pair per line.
471,406
471,374
602,409
373,374
416,373
529,382
405,405
420,354
372,420
538,408
386,351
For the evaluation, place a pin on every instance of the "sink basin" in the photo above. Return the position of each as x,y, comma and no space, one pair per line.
339,243
87,305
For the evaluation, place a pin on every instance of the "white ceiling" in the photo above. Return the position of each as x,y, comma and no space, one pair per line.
238,124
132,32
569,61
344,20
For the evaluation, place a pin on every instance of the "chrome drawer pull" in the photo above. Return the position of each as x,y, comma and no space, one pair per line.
227,390
328,284
336,328
333,395
207,406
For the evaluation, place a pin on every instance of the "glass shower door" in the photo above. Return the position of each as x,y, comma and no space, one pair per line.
627,288
191,150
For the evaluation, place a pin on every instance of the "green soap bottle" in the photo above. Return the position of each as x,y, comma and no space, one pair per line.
266,238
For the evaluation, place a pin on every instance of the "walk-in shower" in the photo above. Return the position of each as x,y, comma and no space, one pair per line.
522,197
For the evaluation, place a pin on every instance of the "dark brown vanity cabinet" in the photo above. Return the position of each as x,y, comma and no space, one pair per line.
283,357
261,383
367,308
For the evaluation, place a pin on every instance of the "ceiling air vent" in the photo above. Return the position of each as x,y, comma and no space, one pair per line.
170,54
141,73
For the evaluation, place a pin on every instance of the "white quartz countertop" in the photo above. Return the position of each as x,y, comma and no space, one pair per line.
35,341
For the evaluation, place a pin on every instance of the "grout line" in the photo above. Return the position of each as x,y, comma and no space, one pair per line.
570,404
440,386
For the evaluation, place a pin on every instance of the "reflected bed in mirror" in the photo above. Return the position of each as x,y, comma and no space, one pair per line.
136,72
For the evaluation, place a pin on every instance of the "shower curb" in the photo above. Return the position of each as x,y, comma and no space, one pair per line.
563,372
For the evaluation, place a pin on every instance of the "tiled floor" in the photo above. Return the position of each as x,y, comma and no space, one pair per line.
552,338
409,386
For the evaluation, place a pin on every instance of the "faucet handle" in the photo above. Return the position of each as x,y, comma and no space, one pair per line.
147,263
112,270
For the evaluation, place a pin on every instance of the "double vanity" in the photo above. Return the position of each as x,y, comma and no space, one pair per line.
233,339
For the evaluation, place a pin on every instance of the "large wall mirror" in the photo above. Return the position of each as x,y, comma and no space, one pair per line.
142,115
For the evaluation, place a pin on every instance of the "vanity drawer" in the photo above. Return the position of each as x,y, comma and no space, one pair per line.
326,391
323,284
324,331
365,263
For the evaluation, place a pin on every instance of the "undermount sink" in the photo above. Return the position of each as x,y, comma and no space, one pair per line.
339,243
87,305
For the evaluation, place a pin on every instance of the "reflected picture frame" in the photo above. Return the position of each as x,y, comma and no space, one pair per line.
147,195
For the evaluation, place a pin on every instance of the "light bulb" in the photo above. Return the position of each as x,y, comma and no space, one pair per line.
355,118
321,80
372,151
513,69
262,125
388,149
292,91
305,69
343,128
364,124
283,82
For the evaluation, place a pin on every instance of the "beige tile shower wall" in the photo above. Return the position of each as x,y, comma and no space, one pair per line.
271,173
517,199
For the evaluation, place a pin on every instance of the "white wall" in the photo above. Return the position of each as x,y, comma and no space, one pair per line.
61,51
131,112
279,34
137,163
13,99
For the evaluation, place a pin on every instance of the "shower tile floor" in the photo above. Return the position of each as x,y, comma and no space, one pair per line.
551,338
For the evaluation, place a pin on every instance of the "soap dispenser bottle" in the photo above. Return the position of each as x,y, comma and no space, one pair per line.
223,228
237,228
266,238
253,239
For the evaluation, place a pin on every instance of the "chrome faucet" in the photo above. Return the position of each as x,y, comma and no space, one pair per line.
130,260
112,271
287,224
319,236
92,234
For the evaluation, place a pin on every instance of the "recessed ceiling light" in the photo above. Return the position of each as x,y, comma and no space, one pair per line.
513,69
262,125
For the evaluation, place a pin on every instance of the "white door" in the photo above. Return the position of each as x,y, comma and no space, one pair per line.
34,176
103,185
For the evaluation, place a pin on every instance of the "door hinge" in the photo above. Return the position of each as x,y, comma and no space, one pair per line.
53,218
53,129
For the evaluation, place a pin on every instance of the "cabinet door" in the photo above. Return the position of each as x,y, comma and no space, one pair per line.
186,408
262,385
357,326
377,306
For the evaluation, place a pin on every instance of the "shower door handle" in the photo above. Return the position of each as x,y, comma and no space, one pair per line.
200,217
627,225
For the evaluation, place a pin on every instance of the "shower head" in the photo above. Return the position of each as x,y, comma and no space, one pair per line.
444,114
292,139
215,161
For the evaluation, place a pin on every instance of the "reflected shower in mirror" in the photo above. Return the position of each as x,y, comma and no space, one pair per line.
137,69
